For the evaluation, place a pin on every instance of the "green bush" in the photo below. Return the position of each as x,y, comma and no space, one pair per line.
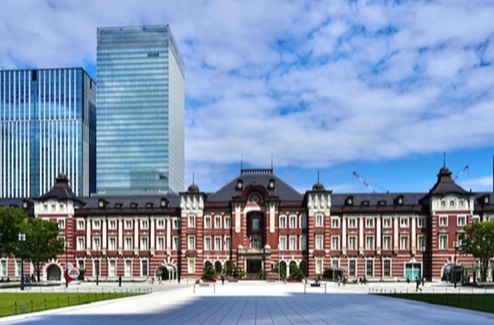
296,273
209,273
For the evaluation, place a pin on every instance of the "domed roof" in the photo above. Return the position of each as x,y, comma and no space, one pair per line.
318,187
193,188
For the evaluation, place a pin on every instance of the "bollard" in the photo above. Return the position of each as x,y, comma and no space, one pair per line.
32,306
45,304
15,307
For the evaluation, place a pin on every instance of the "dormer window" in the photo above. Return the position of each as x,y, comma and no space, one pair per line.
149,205
24,204
349,200
164,203
101,203
240,185
133,205
365,203
118,205
486,199
399,200
381,203
271,184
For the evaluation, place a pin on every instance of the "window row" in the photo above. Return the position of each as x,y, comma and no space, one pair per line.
369,222
216,243
292,242
128,224
128,243
370,242
293,221
210,222
111,270
461,221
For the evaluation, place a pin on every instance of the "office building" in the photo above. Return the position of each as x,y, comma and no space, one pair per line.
140,135
47,126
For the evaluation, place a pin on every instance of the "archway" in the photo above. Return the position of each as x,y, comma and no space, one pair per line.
303,267
166,272
217,267
53,273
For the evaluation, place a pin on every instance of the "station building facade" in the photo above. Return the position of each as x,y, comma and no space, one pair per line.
258,222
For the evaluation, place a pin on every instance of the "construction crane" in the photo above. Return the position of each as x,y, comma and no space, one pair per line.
364,182
460,172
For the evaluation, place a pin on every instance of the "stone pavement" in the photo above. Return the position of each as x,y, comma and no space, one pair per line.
260,303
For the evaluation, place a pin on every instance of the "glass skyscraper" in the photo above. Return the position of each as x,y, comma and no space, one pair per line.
47,127
141,111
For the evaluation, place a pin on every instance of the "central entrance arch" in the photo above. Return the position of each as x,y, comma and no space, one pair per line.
53,273
166,272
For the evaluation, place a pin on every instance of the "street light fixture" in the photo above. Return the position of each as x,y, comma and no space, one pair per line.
22,238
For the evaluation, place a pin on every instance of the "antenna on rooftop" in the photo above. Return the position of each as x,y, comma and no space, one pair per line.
444,159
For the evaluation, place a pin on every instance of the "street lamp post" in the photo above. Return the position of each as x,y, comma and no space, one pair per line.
423,262
22,238
456,245
97,264
67,245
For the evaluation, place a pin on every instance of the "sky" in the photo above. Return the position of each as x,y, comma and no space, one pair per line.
391,90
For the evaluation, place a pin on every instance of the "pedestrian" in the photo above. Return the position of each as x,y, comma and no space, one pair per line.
408,280
222,279
120,281
418,285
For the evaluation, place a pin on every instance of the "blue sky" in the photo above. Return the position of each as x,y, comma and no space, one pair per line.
383,88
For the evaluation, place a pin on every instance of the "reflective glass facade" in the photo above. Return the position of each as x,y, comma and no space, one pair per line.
47,127
141,111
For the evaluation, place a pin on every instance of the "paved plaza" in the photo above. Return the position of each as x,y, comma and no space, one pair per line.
257,303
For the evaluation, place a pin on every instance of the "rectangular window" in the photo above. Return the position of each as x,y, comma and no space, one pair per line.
319,268
335,262
369,268
217,222
191,265
443,204
369,222
421,242
461,221
404,222
144,268
403,242
80,264
387,242
207,243
451,203
191,242
421,222
461,203
293,221
217,243
18,266
175,243
352,268
81,243
207,222
335,243
352,243
175,223
128,243
293,243
443,221
3,267
303,221
369,242
112,270
387,222
96,268
352,223
282,244
128,268
191,223
80,225
112,224
227,222
443,241
335,222
319,241
387,268
303,242
96,243
282,221
228,243
96,224
160,224
160,243
144,224
112,243
144,243
319,220
61,223
128,224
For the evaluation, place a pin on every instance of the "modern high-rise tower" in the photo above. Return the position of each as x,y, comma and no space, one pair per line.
47,127
141,111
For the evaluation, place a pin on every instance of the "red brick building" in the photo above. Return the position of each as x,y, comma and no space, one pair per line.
258,221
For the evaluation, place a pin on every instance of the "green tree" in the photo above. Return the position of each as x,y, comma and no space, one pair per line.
11,222
42,243
229,267
478,240
209,273
295,272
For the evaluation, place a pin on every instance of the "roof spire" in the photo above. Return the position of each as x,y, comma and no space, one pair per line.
318,176
271,161
444,159
241,162
193,178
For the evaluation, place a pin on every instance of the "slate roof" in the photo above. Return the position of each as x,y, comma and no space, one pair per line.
445,184
61,191
127,201
374,198
256,177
